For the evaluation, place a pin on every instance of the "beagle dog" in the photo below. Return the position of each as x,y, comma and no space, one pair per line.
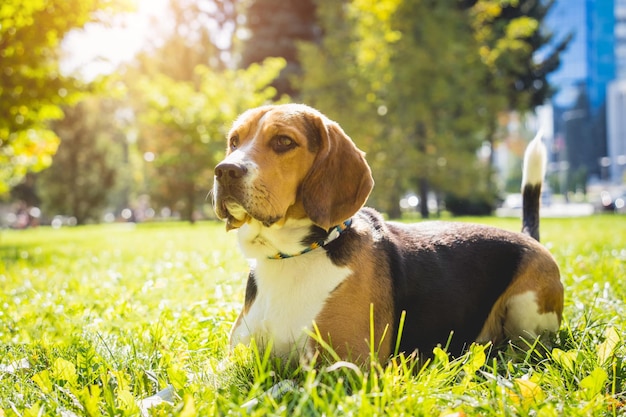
326,271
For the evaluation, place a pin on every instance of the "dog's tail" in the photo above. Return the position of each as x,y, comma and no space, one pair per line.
534,172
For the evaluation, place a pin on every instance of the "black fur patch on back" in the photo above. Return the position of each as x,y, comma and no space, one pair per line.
447,277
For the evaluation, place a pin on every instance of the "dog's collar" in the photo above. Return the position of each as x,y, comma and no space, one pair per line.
334,234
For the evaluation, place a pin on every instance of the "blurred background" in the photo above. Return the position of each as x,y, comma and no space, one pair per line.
117,110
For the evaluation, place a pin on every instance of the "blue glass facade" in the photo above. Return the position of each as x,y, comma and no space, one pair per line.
593,61
600,24
565,17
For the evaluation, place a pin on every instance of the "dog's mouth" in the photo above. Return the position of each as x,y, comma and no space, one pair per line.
234,223
237,213
234,213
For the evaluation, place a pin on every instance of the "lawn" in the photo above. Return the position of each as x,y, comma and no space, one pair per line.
95,320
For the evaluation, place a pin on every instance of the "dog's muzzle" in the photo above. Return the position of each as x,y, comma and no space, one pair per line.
229,201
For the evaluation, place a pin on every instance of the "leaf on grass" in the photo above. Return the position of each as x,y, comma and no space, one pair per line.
90,399
189,407
606,349
441,357
64,370
42,379
476,359
126,400
565,359
593,384
121,379
526,393
177,376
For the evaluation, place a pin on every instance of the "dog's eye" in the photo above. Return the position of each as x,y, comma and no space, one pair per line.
234,142
282,143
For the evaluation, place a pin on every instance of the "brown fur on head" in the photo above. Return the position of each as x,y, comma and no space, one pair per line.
290,161
339,181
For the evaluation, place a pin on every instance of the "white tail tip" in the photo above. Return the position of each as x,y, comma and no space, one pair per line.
535,160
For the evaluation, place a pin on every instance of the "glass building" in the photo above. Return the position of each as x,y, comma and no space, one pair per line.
589,106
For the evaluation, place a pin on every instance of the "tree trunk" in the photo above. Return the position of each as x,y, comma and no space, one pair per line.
491,139
422,180
191,204
423,191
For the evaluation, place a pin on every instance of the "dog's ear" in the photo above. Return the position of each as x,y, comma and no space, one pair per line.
339,181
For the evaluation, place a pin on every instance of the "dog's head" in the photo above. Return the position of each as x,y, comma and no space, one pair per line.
289,161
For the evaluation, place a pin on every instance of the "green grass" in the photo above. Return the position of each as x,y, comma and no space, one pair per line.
95,319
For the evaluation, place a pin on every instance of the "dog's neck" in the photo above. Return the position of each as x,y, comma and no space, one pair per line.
334,233
286,241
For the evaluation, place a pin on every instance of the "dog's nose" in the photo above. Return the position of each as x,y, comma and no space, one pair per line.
227,171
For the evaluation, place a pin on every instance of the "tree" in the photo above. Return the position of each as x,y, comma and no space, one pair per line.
419,84
512,35
345,74
275,28
32,90
406,89
184,126
437,98
83,171
184,98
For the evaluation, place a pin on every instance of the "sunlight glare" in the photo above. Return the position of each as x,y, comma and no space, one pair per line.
99,49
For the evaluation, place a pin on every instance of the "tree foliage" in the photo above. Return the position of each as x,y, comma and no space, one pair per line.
84,169
409,87
346,75
511,34
184,99
184,126
419,85
438,99
32,90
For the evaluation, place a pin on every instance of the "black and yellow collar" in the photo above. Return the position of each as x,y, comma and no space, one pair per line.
334,233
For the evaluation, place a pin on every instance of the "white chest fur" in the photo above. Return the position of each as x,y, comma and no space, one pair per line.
290,294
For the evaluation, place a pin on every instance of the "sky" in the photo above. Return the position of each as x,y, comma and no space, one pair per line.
99,49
